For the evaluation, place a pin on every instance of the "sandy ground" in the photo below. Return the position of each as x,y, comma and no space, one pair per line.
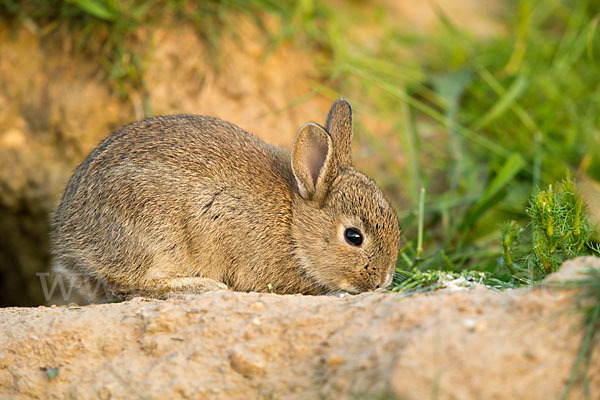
452,344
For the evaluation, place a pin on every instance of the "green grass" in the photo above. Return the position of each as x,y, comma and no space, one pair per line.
558,230
486,123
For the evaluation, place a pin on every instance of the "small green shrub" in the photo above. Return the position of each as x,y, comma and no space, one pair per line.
559,230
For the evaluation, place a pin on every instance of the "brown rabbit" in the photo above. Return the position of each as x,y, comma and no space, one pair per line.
186,204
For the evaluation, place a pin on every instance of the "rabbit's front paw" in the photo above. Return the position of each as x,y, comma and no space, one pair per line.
174,287
340,293
195,285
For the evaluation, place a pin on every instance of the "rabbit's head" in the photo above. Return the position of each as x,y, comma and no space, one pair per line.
345,232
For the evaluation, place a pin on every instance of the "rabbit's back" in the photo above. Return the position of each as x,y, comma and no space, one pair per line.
173,195
196,146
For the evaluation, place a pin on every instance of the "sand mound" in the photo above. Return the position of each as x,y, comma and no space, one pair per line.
448,345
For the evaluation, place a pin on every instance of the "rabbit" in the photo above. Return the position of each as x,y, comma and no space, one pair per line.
185,204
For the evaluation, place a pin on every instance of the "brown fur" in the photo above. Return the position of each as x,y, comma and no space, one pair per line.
186,204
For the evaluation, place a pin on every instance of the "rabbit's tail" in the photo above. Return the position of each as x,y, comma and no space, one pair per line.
71,284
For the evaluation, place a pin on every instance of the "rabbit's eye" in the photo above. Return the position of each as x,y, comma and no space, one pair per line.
353,236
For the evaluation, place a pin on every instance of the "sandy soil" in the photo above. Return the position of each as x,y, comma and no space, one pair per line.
452,344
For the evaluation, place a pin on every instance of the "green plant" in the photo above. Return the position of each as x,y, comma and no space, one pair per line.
415,280
559,230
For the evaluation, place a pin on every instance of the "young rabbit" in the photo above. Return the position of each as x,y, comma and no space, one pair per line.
187,204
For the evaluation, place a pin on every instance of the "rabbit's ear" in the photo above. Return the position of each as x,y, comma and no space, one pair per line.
312,162
339,126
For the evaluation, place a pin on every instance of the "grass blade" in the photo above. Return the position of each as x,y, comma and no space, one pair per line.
97,8
503,104
510,169
421,217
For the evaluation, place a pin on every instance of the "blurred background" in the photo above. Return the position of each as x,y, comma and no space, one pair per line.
482,103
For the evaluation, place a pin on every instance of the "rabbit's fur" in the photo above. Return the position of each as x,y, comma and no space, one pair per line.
186,204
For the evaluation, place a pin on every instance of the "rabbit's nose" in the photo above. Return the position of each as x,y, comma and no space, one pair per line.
379,289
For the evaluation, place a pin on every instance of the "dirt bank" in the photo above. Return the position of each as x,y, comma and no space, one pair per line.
461,344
